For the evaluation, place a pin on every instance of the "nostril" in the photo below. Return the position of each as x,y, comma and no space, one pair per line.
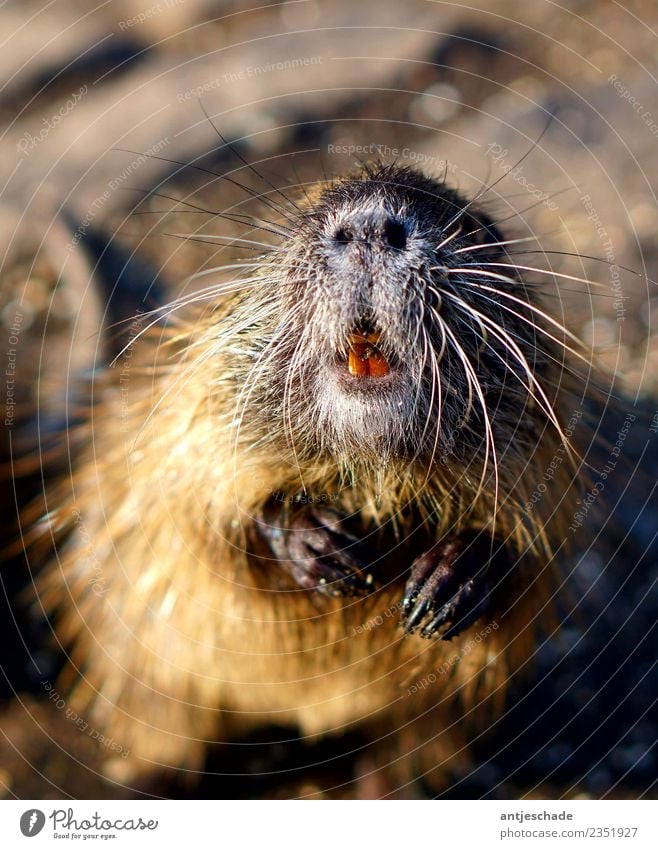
395,234
372,230
343,235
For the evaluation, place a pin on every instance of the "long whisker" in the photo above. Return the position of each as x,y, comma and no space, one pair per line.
600,259
449,238
520,212
436,378
252,379
216,174
168,309
487,188
182,377
536,326
242,159
217,269
472,248
193,208
509,296
427,351
246,244
287,397
490,445
243,218
545,353
547,271
217,238
501,334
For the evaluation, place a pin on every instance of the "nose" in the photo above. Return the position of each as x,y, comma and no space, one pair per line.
375,227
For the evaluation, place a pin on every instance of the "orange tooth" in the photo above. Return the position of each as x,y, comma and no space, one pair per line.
378,365
357,366
363,359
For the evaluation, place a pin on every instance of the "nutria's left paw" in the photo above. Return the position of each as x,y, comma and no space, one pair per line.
316,551
449,587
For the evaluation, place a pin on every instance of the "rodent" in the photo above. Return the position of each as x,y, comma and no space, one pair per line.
316,488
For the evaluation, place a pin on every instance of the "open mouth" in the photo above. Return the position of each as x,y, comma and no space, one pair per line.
364,358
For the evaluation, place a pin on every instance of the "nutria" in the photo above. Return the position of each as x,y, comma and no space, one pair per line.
313,497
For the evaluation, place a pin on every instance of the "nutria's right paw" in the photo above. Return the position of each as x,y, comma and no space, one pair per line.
317,552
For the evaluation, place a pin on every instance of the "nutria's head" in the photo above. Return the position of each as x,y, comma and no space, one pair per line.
403,332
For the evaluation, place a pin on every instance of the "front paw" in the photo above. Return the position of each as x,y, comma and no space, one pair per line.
313,547
449,587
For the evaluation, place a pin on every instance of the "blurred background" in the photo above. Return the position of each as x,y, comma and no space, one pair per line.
101,106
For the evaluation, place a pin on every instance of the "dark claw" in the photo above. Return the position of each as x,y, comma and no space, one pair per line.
417,614
316,551
449,587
